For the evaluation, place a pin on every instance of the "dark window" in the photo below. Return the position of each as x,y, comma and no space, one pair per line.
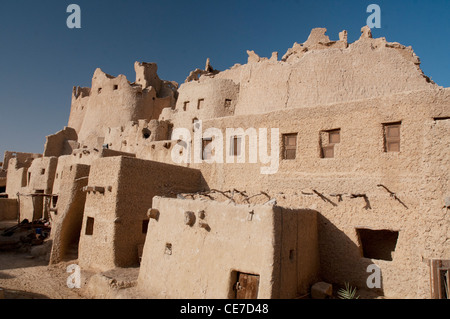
200,103
99,90
145,226
235,146
43,171
227,103
392,137
377,244
185,106
54,200
89,226
289,146
116,87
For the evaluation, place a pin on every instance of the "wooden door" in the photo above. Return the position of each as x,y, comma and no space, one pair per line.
247,286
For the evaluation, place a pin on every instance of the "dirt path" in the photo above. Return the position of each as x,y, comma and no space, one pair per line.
32,278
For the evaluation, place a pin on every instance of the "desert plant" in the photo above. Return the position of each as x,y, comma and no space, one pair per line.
347,293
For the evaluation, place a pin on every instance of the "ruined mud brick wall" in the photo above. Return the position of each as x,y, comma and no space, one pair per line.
67,211
113,101
120,192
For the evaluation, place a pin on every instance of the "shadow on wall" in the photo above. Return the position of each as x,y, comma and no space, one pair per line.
341,260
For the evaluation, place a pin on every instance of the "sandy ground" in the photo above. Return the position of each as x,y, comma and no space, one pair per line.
23,277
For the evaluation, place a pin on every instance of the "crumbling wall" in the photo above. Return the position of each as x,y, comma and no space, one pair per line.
16,176
61,143
22,158
321,71
137,135
113,101
67,212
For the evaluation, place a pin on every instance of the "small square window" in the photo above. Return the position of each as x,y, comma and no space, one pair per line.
328,140
115,87
377,244
334,137
289,146
200,103
227,103
185,106
99,90
43,171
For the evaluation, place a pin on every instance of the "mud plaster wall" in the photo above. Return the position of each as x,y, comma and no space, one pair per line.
16,177
84,156
119,212
8,209
360,164
201,260
365,69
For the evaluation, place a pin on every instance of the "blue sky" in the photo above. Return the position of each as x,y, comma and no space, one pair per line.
41,59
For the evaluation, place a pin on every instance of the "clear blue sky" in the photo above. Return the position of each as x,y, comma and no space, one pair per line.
41,59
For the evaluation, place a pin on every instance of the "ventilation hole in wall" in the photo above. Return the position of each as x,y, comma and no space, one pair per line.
89,226
377,244
146,133
168,250
227,103
115,87
43,171
99,90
